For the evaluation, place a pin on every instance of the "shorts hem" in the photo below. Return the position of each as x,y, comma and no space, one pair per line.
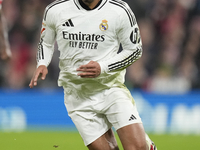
88,143
116,128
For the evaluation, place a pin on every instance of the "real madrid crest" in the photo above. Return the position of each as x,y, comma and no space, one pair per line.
103,26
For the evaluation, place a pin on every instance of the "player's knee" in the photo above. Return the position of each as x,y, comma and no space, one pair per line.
142,145
103,145
114,146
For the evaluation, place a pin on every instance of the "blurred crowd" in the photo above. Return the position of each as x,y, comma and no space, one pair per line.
170,31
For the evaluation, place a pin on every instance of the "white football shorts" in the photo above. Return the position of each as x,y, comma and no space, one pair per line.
95,115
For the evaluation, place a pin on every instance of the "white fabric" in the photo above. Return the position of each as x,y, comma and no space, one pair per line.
84,35
94,115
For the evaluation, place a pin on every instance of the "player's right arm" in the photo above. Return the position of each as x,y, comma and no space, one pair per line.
45,48
40,72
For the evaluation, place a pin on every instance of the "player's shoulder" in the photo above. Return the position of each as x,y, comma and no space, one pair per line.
57,3
56,6
119,6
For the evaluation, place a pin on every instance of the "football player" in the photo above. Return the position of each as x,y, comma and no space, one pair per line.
88,34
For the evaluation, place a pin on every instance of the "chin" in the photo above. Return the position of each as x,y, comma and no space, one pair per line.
87,1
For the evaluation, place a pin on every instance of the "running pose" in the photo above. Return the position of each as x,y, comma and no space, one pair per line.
88,34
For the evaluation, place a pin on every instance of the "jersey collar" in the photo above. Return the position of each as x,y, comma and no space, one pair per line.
86,7
81,5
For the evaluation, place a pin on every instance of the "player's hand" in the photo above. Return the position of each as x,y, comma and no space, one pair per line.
90,70
40,72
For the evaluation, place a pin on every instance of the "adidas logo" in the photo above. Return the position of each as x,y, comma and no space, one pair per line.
132,118
69,23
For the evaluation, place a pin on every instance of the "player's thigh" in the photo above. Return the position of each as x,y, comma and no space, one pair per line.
123,112
132,137
106,142
90,125
123,115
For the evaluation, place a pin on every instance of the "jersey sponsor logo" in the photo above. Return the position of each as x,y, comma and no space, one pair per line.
132,117
83,45
83,40
103,26
43,29
135,36
69,23
83,36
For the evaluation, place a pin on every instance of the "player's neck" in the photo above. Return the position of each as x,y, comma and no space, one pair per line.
91,3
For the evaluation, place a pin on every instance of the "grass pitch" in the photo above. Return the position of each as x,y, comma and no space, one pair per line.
72,141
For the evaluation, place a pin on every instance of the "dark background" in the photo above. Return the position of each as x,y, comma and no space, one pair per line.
170,31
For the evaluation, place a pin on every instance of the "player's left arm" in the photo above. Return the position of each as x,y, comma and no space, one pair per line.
129,35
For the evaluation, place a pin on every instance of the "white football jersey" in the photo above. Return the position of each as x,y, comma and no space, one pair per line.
83,35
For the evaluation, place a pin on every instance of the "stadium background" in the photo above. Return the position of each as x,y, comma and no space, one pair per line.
165,82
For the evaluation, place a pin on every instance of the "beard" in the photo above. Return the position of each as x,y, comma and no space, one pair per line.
88,1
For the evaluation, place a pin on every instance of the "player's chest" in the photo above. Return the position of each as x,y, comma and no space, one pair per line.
86,25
